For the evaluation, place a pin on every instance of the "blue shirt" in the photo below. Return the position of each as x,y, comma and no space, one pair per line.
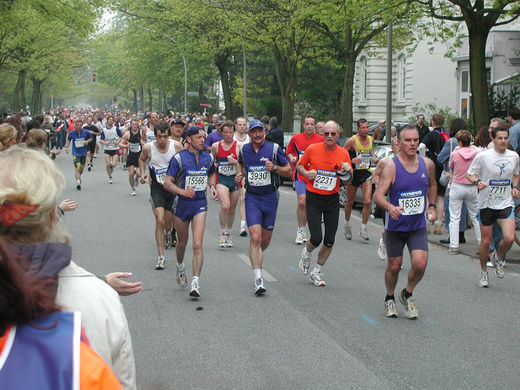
212,138
444,155
514,135
258,180
189,170
78,139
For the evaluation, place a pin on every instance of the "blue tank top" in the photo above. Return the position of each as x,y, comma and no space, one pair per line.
46,358
187,173
410,192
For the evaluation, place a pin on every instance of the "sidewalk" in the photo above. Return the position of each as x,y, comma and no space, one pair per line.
470,248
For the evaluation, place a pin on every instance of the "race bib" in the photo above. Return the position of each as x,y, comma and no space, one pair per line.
366,159
79,142
412,202
226,168
325,180
160,174
258,176
135,148
499,190
197,179
111,142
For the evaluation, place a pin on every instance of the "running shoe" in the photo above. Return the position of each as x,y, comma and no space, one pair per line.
222,240
409,306
243,229
78,186
194,292
160,263
133,192
300,236
174,241
347,229
167,239
89,168
484,279
363,234
229,240
110,180
259,286
390,308
305,263
437,229
316,279
497,263
181,278
381,251
453,251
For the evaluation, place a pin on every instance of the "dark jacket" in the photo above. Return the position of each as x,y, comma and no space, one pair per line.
275,135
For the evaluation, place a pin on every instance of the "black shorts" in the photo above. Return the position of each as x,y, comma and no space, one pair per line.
79,160
111,152
415,240
161,197
488,217
91,146
360,176
319,205
132,159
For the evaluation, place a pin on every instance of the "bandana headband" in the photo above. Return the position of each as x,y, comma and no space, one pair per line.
11,213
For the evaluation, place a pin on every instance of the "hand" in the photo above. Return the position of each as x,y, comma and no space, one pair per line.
232,160
345,167
115,280
238,178
311,175
189,192
142,179
68,205
395,212
213,192
481,185
516,193
356,160
269,166
67,150
292,160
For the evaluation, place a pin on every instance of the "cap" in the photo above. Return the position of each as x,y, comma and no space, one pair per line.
254,124
178,122
192,130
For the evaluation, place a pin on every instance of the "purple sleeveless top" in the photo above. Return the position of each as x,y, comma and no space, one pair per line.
410,192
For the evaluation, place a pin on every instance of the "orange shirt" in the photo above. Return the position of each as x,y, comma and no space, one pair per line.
326,163
94,373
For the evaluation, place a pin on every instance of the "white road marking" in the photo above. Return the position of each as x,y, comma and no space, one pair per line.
266,275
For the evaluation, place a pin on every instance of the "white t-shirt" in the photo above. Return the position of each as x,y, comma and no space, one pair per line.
244,141
497,171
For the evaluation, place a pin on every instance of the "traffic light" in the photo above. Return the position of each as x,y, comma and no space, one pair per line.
93,77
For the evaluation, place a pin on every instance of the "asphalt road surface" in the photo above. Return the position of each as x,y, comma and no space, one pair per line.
297,336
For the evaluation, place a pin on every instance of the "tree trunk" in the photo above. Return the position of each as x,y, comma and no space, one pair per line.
19,91
142,106
348,96
286,73
134,106
150,106
36,100
221,62
478,78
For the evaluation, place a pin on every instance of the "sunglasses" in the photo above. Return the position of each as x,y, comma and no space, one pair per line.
326,133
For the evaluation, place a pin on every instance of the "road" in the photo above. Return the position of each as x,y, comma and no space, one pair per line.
297,336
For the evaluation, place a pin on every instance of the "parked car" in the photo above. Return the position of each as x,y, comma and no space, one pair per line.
381,150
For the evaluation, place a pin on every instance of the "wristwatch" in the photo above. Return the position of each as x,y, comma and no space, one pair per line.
476,183
274,169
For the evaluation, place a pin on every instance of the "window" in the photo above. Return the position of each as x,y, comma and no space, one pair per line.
464,83
401,78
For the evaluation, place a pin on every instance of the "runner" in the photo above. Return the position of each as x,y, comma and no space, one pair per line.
381,251
259,161
242,137
188,175
225,153
157,154
133,137
91,148
110,139
493,172
321,165
81,138
297,146
362,154
148,132
408,180
123,146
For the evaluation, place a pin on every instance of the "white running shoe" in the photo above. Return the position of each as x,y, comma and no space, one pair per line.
363,234
497,263
194,292
304,263
347,229
229,240
390,308
381,251
409,306
181,278
243,229
160,263
316,279
300,236
484,279
222,240
133,192
110,180
259,286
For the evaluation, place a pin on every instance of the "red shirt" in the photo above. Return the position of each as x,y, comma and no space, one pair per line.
297,145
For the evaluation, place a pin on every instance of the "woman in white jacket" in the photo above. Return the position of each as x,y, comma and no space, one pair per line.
30,186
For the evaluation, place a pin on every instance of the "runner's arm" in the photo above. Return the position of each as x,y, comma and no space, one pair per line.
143,158
387,179
432,189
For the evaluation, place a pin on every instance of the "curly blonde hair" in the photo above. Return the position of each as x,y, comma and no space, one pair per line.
28,176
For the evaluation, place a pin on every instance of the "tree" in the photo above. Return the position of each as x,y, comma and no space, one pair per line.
480,16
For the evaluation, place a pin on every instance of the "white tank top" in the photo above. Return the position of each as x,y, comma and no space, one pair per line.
159,162
150,136
111,137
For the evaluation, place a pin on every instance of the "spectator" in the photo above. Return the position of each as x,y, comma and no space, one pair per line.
8,136
275,134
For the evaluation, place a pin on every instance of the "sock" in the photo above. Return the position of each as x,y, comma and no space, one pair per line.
406,294
78,181
317,267
347,223
258,273
363,226
388,297
180,267
195,279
